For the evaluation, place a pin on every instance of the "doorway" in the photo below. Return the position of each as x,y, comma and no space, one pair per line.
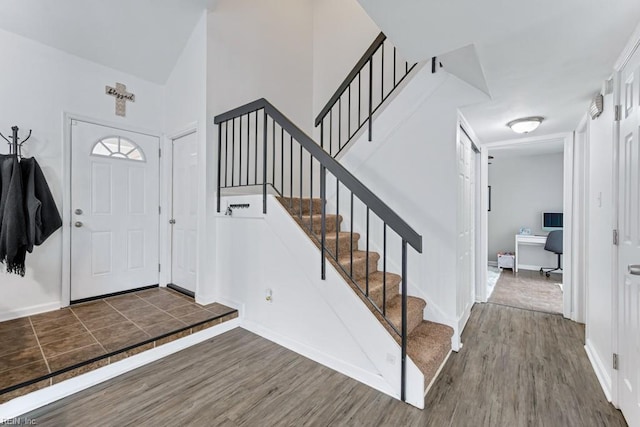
184,212
527,181
114,210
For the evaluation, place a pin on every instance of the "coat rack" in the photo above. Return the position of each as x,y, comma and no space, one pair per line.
15,147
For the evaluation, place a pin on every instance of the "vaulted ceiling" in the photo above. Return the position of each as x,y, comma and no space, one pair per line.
542,58
140,37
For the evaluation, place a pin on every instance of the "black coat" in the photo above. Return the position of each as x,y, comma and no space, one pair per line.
28,213
13,229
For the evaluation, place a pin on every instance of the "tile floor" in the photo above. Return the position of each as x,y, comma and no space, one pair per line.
64,343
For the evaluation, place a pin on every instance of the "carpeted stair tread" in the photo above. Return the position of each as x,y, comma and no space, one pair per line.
415,309
293,205
359,263
317,222
344,240
375,286
428,345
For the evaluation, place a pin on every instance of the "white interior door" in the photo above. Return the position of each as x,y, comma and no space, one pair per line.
466,223
115,209
629,246
184,222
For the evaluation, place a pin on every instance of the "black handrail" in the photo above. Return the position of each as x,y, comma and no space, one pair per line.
384,212
371,50
343,95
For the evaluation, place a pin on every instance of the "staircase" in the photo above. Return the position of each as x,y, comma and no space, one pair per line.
260,148
428,343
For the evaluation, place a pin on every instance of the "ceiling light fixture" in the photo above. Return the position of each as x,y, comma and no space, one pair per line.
526,124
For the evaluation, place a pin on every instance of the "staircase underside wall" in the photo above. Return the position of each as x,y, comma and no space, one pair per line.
320,319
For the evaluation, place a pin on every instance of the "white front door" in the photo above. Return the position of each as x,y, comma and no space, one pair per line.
466,221
114,210
184,222
629,247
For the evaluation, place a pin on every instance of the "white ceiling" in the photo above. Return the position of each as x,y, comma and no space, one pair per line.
139,37
543,58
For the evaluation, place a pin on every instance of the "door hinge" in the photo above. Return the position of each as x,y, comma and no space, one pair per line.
158,268
615,361
159,152
618,113
159,210
615,237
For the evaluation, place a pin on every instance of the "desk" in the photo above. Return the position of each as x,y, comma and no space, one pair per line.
527,239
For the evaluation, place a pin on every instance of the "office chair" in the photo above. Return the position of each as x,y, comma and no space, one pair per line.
553,244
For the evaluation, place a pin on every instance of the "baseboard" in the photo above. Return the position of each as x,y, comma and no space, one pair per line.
529,267
433,380
493,263
29,402
372,380
599,369
456,339
30,311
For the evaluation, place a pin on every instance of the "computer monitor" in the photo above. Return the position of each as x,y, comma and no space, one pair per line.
551,221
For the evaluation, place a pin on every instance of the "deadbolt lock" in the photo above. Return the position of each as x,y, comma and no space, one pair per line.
172,221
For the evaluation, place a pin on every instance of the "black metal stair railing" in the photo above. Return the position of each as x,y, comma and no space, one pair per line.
260,147
351,107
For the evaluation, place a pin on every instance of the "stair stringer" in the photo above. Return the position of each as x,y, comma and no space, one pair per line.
357,321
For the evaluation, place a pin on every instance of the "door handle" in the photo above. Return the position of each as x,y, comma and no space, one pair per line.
172,221
78,224
634,269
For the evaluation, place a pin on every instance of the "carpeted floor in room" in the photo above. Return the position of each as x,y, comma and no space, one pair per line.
529,290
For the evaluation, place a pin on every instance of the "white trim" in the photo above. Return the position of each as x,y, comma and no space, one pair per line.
187,130
527,140
480,203
532,267
67,118
29,311
599,369
39,398
567,273
433,380
375,381
615,288
190,129
633,44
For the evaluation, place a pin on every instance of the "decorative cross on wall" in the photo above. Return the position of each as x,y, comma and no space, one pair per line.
122,96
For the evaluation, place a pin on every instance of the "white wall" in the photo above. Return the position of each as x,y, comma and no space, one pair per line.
411,166
38,85
186,107
342,31
262,50
600,250
522,187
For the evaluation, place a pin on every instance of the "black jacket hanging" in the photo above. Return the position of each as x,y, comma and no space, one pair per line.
13,229
41,214
28,213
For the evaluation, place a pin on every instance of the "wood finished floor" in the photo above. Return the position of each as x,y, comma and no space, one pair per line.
517,368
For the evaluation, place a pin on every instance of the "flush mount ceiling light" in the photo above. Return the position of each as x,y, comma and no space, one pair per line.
526,124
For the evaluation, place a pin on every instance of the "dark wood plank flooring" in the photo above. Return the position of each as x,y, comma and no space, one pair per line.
517,368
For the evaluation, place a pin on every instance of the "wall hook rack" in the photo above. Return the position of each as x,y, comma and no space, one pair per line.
15,147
